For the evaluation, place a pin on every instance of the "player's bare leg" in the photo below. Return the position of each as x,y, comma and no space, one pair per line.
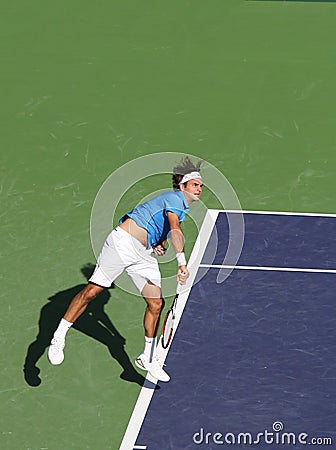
148,359
76,308
79,303
155,304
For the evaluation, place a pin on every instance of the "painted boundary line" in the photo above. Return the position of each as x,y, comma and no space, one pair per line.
279,213
147,391
279,269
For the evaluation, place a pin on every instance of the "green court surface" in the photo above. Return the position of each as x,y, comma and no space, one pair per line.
88,86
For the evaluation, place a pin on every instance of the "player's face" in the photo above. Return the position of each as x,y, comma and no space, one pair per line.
193,190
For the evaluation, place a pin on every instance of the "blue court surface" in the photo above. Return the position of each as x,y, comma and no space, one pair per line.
253,359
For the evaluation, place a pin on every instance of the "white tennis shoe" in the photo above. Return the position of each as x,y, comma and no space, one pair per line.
55,352
154,367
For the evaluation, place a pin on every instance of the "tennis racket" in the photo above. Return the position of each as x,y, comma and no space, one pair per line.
168,323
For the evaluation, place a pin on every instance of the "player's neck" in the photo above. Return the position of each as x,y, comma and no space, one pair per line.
189,197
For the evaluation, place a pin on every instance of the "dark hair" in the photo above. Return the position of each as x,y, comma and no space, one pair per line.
185,166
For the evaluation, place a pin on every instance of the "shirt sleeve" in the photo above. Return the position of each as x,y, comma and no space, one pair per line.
174,204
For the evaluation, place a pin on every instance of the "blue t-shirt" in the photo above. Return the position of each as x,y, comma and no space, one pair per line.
152,215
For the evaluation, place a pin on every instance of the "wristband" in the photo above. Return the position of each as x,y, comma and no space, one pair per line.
181,260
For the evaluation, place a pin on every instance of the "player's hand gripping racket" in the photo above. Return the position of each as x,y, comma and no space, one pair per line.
168,323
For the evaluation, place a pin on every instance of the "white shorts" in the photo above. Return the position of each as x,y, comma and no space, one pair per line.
120,252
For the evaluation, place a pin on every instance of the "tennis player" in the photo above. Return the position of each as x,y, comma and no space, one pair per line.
130,246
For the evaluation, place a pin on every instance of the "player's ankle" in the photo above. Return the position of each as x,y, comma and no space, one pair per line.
150,348
62,329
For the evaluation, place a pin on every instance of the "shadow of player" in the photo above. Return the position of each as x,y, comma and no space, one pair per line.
94,322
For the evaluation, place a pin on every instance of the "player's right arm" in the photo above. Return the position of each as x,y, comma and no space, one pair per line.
177,240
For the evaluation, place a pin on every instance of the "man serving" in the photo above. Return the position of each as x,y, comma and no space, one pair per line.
141,232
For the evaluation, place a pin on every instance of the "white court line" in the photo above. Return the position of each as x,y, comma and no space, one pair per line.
146,393
279,269
278,213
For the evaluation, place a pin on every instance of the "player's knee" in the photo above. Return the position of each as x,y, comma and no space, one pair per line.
156,305
161,304
90,292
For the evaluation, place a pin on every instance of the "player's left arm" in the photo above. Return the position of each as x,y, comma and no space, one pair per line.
177,240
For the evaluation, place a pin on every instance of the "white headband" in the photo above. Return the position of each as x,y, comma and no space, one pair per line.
190,176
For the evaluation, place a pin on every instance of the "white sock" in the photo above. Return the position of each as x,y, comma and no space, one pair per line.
62,329
150,348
